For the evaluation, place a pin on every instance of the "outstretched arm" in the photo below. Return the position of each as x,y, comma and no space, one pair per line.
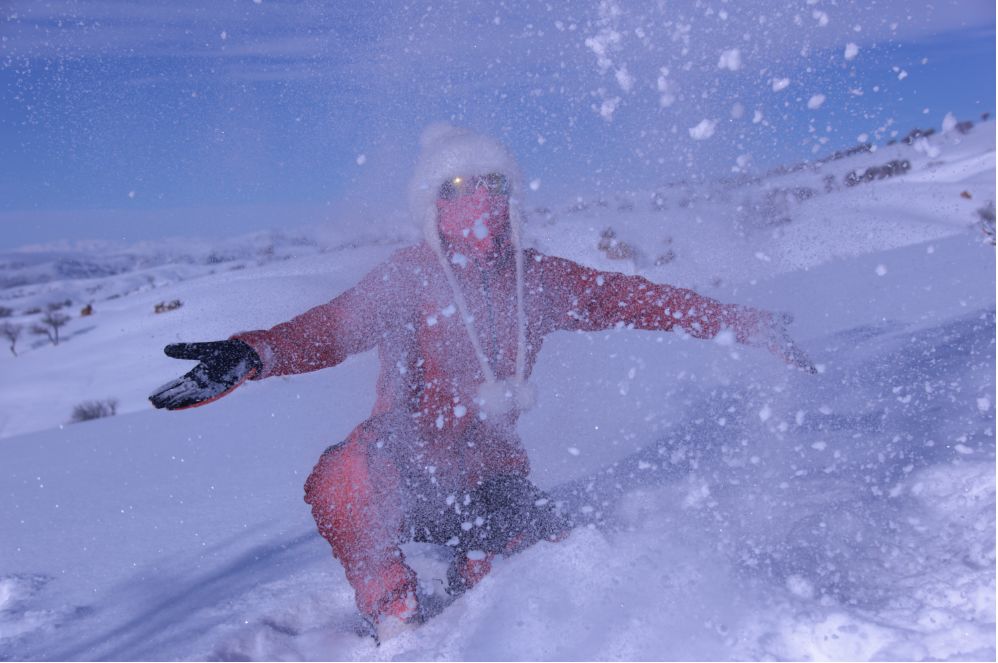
326,335
583,298
320,337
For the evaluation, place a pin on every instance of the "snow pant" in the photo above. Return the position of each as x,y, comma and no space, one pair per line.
367,501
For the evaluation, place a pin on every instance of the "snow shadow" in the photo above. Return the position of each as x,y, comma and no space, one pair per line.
165,623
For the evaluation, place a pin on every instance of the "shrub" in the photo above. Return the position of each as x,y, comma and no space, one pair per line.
163,307
890,169
614,248
88,410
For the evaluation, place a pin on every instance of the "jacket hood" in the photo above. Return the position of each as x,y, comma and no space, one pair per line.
449,152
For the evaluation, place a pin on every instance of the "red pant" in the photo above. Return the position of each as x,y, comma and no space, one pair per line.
371,494
357,504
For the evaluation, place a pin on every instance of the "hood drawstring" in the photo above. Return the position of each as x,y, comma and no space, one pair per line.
494,397
447,151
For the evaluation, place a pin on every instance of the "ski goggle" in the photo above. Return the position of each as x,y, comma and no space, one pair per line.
494,183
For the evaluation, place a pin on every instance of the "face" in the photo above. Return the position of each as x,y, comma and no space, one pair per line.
473,217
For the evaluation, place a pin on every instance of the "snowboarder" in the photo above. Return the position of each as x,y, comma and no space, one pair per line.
458,321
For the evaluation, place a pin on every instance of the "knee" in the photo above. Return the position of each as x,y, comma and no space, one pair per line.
353,495
363,463
323,474
341,475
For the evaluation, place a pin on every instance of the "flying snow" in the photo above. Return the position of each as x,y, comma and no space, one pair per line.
949,122
607,108
815,102
624,79
704,130
666,89
730,60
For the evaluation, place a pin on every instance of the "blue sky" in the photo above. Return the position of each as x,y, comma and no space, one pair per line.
139,120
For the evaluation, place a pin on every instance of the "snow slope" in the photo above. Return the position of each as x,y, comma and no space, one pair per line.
751,511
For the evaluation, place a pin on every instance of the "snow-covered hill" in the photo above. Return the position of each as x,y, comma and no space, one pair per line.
754,512
711,236
91,272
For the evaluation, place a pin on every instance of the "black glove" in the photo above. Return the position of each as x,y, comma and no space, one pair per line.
224,366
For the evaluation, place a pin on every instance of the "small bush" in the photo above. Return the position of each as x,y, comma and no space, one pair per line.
890,169
916,133
88,410
614,248
163,307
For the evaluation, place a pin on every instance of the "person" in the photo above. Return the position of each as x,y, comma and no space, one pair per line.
458,321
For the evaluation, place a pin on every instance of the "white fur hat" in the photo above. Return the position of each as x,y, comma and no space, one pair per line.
448,152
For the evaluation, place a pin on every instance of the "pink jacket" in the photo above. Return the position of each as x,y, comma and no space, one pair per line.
429,373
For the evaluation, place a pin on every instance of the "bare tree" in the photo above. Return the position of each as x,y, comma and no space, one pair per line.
49,325
11,332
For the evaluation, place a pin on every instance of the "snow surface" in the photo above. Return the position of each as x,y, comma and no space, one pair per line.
753,512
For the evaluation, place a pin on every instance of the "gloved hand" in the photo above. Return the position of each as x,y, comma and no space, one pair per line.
224,366
777,340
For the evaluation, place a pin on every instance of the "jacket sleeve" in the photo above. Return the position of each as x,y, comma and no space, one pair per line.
327,334
582,298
